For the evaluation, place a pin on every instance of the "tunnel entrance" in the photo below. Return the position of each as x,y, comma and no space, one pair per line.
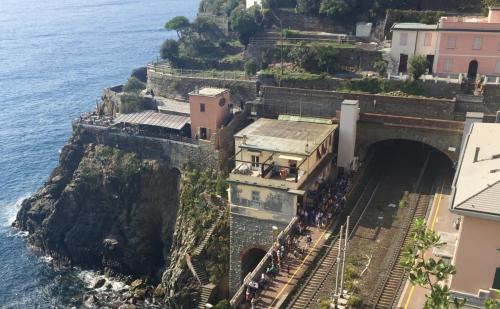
407,152
250,260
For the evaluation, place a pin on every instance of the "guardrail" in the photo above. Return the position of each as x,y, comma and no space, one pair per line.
260,268
212,74
437,124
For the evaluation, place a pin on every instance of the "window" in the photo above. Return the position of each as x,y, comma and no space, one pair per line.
451,43
498,46
403,39
255,196
255,161
476,43
497,67
202,107
428,39
448,64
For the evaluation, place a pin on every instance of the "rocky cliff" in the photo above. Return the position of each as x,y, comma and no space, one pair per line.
103,208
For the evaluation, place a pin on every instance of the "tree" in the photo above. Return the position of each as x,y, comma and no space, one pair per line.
308,7
250,67
418,66
178,24
300,55
326,57
428,272
169,49
380,66
134,85
336,8
243,22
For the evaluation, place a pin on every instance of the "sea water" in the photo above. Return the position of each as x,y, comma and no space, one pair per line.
55,58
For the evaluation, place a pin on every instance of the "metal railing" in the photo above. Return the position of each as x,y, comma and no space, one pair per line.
210,74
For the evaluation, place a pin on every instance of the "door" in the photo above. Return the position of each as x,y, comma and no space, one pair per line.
472,72
203,133
403,63
430,63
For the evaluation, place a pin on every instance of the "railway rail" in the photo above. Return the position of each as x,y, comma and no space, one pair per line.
388,289
318,277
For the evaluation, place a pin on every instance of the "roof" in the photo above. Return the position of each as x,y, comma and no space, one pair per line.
413,26
477,182
171,106
209,91
152,118
292,137
305,119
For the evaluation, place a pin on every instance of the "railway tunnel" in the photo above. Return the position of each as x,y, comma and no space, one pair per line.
400,181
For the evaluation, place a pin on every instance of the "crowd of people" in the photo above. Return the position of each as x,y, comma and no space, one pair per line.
324,205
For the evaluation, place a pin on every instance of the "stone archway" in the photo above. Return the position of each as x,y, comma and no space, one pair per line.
250,259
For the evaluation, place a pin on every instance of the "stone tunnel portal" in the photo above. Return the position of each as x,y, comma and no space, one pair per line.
250,259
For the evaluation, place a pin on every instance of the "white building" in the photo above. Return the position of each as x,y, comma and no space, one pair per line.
250,3
409,39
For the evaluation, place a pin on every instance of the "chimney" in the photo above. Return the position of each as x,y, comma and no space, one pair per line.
196,90
476,155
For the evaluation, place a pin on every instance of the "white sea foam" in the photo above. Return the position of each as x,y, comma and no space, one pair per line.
8,212
89,278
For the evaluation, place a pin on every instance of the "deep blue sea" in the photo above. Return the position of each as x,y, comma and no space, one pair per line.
55,58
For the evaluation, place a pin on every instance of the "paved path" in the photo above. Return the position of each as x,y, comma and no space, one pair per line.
277,291
440,220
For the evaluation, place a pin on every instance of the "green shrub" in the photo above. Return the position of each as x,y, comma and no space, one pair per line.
223,304
355,302
131,103
134,85
380,66
169,49
288,33
250,67
413,87
244,23
418,66
369,85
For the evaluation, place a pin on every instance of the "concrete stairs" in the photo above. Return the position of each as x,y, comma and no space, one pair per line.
199,270
205,295
210,231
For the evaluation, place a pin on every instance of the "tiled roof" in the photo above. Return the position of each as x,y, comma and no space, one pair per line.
152,118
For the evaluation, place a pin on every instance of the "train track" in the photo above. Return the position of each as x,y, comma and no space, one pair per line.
389,287
324,268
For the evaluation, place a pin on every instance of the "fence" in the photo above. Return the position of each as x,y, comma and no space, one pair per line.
224,75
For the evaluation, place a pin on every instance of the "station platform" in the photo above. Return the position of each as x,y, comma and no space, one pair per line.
442,221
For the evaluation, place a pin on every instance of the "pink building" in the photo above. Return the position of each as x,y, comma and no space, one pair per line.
210,110
469,45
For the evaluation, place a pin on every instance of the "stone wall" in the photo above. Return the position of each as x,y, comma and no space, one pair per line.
225,139
371,133
247,233
318,103
176,154
171,86
492,98
291,20
111,99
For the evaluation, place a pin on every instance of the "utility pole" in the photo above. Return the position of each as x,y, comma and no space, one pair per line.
336,294
343,258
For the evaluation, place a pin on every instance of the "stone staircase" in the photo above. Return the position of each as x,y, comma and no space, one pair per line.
198,269
210,231
205,294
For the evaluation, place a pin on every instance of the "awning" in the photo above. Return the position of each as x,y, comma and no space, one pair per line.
285,157
152,118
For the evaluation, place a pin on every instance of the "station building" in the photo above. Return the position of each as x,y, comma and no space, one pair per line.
476,197
276,162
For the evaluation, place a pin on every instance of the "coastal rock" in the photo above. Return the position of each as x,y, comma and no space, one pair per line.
104,208
99,283
136,283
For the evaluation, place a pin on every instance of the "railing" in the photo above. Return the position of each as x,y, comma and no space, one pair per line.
213,74
292,41
260,268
